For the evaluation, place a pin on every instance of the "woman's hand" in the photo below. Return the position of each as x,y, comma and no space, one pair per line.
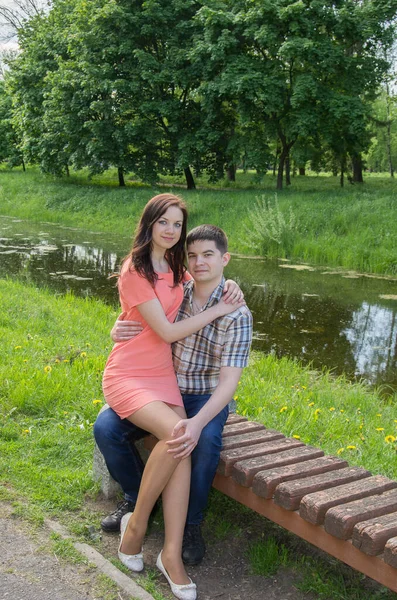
123,331
186,434
223,309
232,292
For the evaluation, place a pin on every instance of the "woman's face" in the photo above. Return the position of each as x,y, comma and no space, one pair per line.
167,229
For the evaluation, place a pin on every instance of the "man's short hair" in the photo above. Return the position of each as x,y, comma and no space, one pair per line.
205,233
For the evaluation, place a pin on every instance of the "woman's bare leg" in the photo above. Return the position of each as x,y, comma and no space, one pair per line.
175,503
161,468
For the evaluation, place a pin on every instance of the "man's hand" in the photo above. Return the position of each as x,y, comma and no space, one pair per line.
125,330
232,292
182,446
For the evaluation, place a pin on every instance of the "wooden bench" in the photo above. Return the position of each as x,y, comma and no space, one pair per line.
343,510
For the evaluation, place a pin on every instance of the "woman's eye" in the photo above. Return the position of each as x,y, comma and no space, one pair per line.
178,225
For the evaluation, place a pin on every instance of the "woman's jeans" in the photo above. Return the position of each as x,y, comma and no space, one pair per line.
116,440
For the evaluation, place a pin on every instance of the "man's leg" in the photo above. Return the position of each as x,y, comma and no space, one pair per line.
205,459
115,438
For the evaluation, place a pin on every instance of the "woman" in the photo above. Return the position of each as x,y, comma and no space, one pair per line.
140,384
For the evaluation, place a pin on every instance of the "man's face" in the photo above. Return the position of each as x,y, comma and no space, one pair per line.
205,261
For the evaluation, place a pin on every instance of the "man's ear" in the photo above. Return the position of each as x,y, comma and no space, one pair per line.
225,259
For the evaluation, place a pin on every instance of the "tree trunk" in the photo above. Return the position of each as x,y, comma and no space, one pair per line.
388,129
120,173
23,166
189,179
231,172
342,173
275,161
280,172
357,168
302,171
287,170
67,170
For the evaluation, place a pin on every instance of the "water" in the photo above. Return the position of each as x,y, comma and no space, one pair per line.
344,322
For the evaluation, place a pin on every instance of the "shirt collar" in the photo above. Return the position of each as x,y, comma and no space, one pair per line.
213,299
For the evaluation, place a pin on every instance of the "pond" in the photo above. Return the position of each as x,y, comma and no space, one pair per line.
343,321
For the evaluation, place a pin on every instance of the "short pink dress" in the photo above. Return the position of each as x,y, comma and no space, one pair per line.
140,370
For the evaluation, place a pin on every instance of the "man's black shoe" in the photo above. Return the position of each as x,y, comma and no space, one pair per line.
193,547
112,522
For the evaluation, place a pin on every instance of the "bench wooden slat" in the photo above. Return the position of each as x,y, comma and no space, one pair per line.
313,507
371,536
390,553
244,471
266,482
229,457
289,495
251,438
339,521
242,427
235,418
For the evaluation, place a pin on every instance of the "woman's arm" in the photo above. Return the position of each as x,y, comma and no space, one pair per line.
154,315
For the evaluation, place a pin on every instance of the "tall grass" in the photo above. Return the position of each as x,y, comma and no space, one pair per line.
353,228
343,418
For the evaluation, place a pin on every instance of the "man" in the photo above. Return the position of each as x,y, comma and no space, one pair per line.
208,365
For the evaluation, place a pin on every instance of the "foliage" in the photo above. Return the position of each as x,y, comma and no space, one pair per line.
9,142
269,229
162,86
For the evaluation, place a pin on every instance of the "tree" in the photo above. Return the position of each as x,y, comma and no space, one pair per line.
9,141
295,63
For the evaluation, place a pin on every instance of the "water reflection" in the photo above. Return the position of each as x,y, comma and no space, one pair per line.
345,324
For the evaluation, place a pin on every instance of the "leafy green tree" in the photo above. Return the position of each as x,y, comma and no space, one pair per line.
9,140
297,64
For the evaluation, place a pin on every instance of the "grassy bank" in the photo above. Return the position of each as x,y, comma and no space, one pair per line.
312,221
52,355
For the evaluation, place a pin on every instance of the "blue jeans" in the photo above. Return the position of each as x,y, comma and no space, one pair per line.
116,437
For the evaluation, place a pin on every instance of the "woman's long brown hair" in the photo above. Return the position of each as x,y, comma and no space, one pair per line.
140,255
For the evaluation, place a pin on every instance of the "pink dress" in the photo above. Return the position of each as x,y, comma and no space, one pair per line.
140,370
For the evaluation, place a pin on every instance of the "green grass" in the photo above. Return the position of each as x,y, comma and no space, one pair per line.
343,418
352,228
46,441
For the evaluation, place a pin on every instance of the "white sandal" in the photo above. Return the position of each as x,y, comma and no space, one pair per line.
184,591
134,562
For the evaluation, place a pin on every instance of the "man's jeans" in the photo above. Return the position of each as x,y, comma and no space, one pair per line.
115,438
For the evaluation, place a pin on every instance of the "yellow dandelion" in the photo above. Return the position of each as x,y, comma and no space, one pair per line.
351,447
340,451
283,409
17,347
65,412
317,411
311,404
83,354
342,410
297,437
235,398
26,431
390,439
47,369
378,414
395,420
380,429
57,360
332,409
66,360
88,344
361,426
25,360
97,401
304,387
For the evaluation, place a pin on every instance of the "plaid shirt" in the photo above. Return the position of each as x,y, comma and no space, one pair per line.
225,342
